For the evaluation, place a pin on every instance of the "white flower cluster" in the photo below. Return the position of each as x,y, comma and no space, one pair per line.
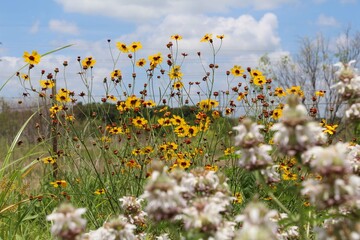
348,87
339,186
254,154
201,201
257,223
164,196
118,228
133,210
296,132
67,222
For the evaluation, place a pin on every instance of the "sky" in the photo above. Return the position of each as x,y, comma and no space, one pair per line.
251,28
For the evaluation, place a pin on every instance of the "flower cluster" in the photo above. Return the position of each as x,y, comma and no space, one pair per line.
67,222
339,186
296,132
254,154
348,87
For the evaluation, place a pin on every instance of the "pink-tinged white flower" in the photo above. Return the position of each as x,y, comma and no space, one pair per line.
115,229
254,154
340,192
353,112
163,195
348,85
131,204
248,134
271,174
67,222
341,228
205,183
296,132
204,215
256,223
329,161
256,157
164,236
354,158
226,231
288,232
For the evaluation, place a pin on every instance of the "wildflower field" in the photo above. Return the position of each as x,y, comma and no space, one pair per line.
159,156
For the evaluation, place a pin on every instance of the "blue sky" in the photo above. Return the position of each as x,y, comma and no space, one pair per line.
251,27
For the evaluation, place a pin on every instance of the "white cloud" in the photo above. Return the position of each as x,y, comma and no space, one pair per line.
246,39
324,20
65,27
140,10
35,27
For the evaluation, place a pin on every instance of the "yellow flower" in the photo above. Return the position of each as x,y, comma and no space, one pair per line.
172,145
175,73
141,62
115,130
33,58
206,38
49,160
289,176
57,183
279,92
122,47
254,73
155,60
181,130
178,85
70,118
238,198
136,151
164,121
242,95
213,168
320,93
139,122
229,151
116,74
147,150
111,98
207,104
132,164
133,102
215,114
176,37
220,36
177,120
204,125
55,109
277,113
191,131
259,80
47,84
63,95
88,62
100,191
296,90
135,46
149,103
183,163
330,128
105,139
229,111
25,76
237,71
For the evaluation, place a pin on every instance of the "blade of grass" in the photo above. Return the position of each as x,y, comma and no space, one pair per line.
6,164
